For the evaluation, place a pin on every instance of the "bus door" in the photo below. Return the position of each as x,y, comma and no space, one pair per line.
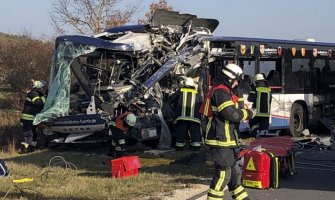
272,70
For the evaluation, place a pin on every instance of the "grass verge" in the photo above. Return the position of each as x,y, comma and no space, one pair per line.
92,180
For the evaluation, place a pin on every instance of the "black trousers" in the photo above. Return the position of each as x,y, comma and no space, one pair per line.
259,123
227,172
29,131
183,128
118,139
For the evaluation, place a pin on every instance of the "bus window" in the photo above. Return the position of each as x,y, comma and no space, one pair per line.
248,67
332,65
328,76
301,70
266,66
300,64
317,74
319,63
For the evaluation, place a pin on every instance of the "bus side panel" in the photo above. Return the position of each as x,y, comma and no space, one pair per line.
281,110
280,116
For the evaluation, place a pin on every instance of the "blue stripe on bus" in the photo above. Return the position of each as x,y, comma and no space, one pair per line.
277,123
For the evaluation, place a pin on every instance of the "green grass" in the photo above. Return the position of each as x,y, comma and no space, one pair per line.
92,179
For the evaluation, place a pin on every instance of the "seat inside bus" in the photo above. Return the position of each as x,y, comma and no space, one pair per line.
245,84
273,78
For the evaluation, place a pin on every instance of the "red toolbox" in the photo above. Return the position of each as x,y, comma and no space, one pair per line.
125,166
260,170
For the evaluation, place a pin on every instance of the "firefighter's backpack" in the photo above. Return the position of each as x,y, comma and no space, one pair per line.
3,169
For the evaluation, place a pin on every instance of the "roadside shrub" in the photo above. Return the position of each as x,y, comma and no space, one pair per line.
23,58
10,130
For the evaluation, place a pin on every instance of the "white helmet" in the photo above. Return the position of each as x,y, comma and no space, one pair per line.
233,71
259,77
189,82
39,84
131,119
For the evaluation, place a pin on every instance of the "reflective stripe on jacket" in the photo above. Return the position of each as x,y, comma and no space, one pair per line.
220,130
263,101
34,102
188,105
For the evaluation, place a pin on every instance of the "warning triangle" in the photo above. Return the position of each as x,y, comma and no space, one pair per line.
251,165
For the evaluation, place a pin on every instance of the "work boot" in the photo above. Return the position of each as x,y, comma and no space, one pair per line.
25,148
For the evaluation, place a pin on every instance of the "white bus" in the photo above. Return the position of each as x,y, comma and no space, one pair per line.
300,73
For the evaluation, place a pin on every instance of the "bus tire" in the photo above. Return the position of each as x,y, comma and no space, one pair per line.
297,120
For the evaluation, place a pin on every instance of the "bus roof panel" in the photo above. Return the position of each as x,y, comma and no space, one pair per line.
263,40
96,42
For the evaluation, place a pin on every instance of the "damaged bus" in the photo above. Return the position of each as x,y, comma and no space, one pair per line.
137,67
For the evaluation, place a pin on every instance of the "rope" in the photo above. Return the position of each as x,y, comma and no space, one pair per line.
60,162
53,162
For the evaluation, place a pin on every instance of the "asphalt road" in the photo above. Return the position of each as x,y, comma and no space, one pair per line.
312,182
315,180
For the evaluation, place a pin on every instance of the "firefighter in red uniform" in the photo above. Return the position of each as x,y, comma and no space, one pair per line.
34,102
119,129
220,106
187,103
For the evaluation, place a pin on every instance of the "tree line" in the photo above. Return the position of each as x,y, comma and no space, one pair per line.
23,57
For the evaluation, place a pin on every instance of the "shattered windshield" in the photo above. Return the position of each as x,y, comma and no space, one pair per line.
58,101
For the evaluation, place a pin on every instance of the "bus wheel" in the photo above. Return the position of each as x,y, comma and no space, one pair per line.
297,120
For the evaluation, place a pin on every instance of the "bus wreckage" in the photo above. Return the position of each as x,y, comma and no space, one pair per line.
135,67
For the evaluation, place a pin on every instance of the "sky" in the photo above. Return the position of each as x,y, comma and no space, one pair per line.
284,19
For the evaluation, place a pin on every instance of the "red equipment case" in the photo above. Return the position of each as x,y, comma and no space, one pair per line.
260,170
125,166
282,147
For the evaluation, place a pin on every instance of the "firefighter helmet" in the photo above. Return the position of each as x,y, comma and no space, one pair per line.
259,77
232,71
189,82
130,119
39,84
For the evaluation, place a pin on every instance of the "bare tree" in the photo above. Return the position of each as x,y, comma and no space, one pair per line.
162,4
90,16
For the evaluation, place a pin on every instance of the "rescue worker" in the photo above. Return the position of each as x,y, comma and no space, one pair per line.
220,106
34,102
260,96
118,131
187,103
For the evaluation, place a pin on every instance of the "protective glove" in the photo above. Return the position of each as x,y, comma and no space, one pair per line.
254,112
